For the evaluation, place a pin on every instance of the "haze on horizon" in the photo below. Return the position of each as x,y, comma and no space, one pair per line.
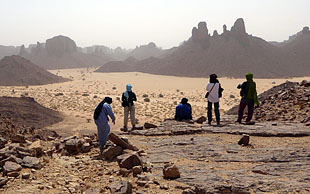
136,22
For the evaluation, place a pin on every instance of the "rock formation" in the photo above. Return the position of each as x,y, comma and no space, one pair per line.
18,71
60,45
232,53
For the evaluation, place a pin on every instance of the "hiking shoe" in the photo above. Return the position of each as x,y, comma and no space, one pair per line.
124,129
209,122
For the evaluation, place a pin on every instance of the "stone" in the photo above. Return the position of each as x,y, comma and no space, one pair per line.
111,152
171,171
244,140
3,142
201,119
149,125
37,147
137,170
26,175
164,187
86,147
118,141
11,167
17,138
130,161
3,181
141,183
31,162
73,146
188,191
122,187
124,172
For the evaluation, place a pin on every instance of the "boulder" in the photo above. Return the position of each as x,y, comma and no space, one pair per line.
149,126
244,140
130,161
171,171
11,168
111,152
118,141
26,175
122,187
31,162
124,172
201,119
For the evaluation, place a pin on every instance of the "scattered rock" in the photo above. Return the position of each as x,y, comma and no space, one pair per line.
11,168
124,172
111,152
130,161
188,191
149,125
17,138
122,187
26,175
171,171
137,170
31,162
86,147
244,140
37,147
147,100
3,181
201,119
118,141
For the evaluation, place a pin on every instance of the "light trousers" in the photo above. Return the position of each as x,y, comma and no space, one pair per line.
129,110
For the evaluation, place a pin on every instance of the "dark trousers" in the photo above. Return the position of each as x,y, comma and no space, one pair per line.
250,111
216,110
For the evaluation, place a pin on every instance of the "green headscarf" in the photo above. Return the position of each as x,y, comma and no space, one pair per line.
252,94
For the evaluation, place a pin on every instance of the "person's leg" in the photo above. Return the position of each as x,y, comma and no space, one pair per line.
250,112
100,130
132,116
217,112
106,132
240,111
126,112
209,112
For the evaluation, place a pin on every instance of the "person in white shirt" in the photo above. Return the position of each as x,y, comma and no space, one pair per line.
213,89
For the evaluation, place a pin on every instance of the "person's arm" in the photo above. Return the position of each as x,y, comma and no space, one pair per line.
123,98
208,87
177,113
134,98
110,112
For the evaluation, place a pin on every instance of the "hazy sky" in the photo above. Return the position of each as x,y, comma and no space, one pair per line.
128,23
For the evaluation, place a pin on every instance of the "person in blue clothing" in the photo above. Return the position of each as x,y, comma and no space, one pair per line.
183,110
102,111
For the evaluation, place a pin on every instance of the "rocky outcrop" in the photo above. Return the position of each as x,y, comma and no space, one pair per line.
60,45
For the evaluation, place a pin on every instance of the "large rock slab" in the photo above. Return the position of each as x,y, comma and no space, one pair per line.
130,161
11,168
120,142
31,162
111,152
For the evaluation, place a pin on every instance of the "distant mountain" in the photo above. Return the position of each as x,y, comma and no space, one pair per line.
232,53
18,71
62,52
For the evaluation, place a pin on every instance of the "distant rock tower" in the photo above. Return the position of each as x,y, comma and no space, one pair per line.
60,45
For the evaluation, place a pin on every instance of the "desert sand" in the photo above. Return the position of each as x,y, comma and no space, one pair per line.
78,98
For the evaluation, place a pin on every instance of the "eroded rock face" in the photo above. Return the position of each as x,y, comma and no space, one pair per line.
59,45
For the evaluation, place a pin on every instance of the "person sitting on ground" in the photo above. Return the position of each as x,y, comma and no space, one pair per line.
183,111
248,95
102,111
128,98
213,89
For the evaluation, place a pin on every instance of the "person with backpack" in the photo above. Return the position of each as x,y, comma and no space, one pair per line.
183,111
128,98
214,93
101,116
248,95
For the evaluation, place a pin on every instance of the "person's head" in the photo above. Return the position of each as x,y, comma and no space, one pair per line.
249,77
184,101
128,87
213,78
108,100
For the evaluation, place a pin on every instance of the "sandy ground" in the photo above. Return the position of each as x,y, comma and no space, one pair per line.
78,98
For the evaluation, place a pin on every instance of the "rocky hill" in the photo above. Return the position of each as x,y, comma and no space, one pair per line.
232,53
18,71
289,101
